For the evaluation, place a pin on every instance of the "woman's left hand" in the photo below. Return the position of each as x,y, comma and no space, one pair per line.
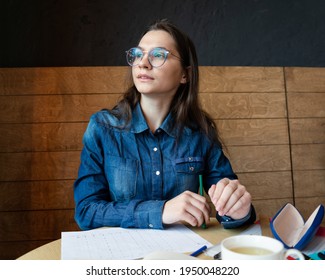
230,198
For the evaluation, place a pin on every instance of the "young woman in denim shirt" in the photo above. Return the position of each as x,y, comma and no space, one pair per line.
141,161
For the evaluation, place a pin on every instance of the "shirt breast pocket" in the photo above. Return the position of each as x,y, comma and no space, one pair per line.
187,173
122,177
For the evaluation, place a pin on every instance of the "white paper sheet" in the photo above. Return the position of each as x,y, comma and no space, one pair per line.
120,243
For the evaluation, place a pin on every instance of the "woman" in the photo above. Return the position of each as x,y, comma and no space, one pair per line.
141,161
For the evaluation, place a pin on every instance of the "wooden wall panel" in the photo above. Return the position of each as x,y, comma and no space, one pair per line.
36,195
306,104
267,185
39,166
62,80
36,225
307,131
260,158
309,156
253,132
305,79
309,183
241,79
41,137
271,206
53,108
244,105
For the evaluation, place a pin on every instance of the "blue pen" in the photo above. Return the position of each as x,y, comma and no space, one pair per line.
199,251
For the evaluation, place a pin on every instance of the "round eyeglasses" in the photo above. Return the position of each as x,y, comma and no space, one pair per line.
156,56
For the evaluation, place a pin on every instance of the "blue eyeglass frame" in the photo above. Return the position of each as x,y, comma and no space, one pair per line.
166,53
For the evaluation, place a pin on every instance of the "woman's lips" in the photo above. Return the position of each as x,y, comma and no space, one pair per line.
144,77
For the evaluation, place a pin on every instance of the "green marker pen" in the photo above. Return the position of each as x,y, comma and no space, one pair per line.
201,193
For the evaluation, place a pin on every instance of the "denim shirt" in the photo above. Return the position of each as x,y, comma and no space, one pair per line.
126,175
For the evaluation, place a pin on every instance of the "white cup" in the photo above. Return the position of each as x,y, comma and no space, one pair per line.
256,247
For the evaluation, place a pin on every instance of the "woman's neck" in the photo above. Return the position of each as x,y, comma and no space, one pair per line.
154,111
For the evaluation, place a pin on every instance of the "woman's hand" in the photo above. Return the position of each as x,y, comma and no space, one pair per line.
230,198
187,207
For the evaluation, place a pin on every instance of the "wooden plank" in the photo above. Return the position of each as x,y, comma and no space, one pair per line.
241,79
306,105
62,80
268,185
309,183
36,225
36,195
269,207
41,137
243,132
308,157
53,108
244,105
39,166
260,158
305,79
307,131
13,250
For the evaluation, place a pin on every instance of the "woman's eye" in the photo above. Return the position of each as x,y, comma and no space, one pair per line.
137,54
158,54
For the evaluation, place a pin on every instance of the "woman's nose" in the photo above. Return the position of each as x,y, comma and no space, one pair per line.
144,63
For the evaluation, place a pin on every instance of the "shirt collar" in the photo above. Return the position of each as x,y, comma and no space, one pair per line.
139,123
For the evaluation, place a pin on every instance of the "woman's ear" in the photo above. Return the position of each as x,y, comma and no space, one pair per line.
185,75
184,79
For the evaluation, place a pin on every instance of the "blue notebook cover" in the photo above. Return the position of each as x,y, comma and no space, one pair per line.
289,227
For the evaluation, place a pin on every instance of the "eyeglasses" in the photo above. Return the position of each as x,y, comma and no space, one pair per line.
156,56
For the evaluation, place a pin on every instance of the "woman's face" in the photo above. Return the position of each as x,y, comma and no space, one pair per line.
164,80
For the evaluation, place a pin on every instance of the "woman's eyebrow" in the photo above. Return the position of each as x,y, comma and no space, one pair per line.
152,48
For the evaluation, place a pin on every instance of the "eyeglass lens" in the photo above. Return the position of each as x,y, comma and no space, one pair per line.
156,56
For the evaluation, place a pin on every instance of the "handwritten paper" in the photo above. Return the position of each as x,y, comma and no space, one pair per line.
120,243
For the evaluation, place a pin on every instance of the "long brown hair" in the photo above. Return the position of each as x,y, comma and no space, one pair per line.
185,107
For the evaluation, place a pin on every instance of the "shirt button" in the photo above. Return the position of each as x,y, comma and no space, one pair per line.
157,173
192,168
190,159
151,225
155,149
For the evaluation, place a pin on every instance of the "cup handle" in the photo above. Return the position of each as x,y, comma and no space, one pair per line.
295,253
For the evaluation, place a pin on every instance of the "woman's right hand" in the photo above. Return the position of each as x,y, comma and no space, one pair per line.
187,207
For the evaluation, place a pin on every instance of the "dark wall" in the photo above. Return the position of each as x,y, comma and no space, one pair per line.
226,32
